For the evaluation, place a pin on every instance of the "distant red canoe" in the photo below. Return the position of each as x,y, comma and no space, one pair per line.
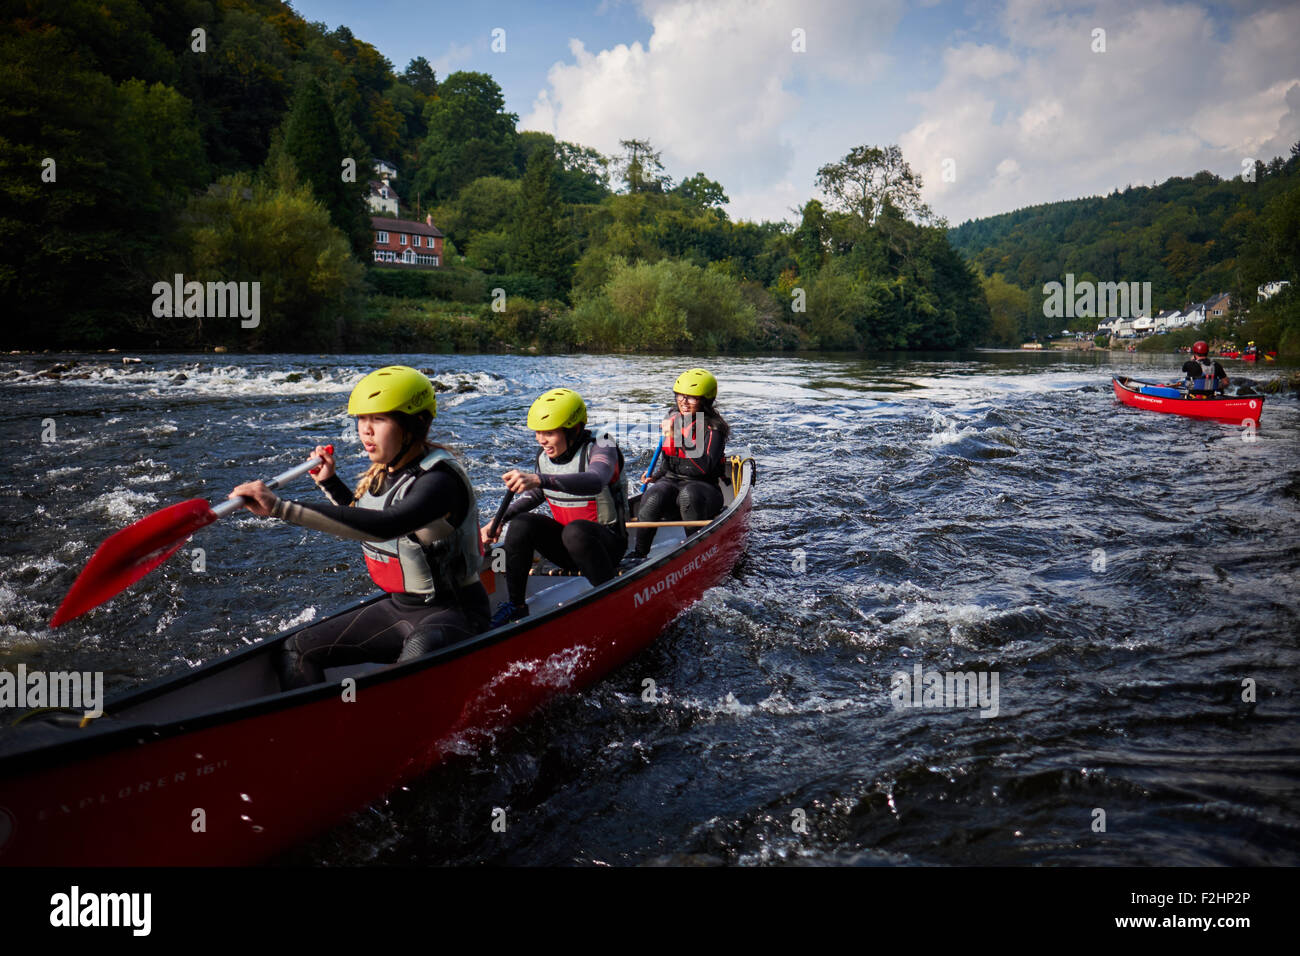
269,769
1231,411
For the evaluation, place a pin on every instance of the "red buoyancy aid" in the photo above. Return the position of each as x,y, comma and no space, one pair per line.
692,431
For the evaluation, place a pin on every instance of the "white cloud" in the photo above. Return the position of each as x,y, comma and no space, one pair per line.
714,89
453,57
1040,116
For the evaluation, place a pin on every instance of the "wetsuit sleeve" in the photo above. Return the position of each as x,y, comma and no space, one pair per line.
602,466
1192,369
1219,372
433,495
336,491
525,502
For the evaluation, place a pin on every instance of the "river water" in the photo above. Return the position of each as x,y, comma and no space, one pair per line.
1128,578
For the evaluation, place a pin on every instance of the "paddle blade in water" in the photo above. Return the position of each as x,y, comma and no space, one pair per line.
132,553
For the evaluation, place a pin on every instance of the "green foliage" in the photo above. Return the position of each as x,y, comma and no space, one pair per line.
274,234
448,284
699,190
485,205
470,135
310,141
89,175
538,246
665,305
1188,237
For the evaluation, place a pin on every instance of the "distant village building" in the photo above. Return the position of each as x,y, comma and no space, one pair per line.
385,170
1217,306
1270,289
404,242
1194,314
1168,319
382,199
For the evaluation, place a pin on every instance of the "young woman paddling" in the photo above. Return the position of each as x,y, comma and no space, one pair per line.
415,514
684,483
582,481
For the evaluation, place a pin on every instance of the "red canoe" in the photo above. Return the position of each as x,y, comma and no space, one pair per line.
261,770
1161,398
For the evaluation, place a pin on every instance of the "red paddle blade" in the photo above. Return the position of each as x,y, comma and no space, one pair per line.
130,554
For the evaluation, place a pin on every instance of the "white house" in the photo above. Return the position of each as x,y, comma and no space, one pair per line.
385,170
1124,328
1270,289
382,199
1168,319
1143,325
1194,314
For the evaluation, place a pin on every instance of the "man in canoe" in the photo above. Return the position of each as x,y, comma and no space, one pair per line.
684,481
581,478
1205,376
414,513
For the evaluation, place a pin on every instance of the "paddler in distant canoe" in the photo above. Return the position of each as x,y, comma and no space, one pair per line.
1204,375
684,482
581,478
414,512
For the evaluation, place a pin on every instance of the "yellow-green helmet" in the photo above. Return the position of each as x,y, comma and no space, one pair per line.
395,388
696,381
558,408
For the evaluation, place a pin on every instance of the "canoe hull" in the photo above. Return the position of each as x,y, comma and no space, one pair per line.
242,785
1231,411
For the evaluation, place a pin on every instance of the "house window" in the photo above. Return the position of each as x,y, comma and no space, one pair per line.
402,240
435,259
379,256
415,241
408,256
381,238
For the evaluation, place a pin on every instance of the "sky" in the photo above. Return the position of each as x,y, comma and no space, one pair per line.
997,105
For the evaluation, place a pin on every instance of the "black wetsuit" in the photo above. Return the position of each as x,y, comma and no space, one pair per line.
400,626
685,479
589,547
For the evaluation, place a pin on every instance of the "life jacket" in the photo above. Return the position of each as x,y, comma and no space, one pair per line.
607,506
679,460
1207,381
436,558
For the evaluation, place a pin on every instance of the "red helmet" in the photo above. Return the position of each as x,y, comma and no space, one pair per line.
1200,348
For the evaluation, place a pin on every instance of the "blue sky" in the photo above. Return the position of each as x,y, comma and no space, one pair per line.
997,105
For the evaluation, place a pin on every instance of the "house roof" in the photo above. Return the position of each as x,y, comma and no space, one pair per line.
404,225
377,185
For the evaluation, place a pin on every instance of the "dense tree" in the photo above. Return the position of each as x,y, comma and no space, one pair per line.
309,140
274,233
470,135
537,244
699,190
641,167
869,180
